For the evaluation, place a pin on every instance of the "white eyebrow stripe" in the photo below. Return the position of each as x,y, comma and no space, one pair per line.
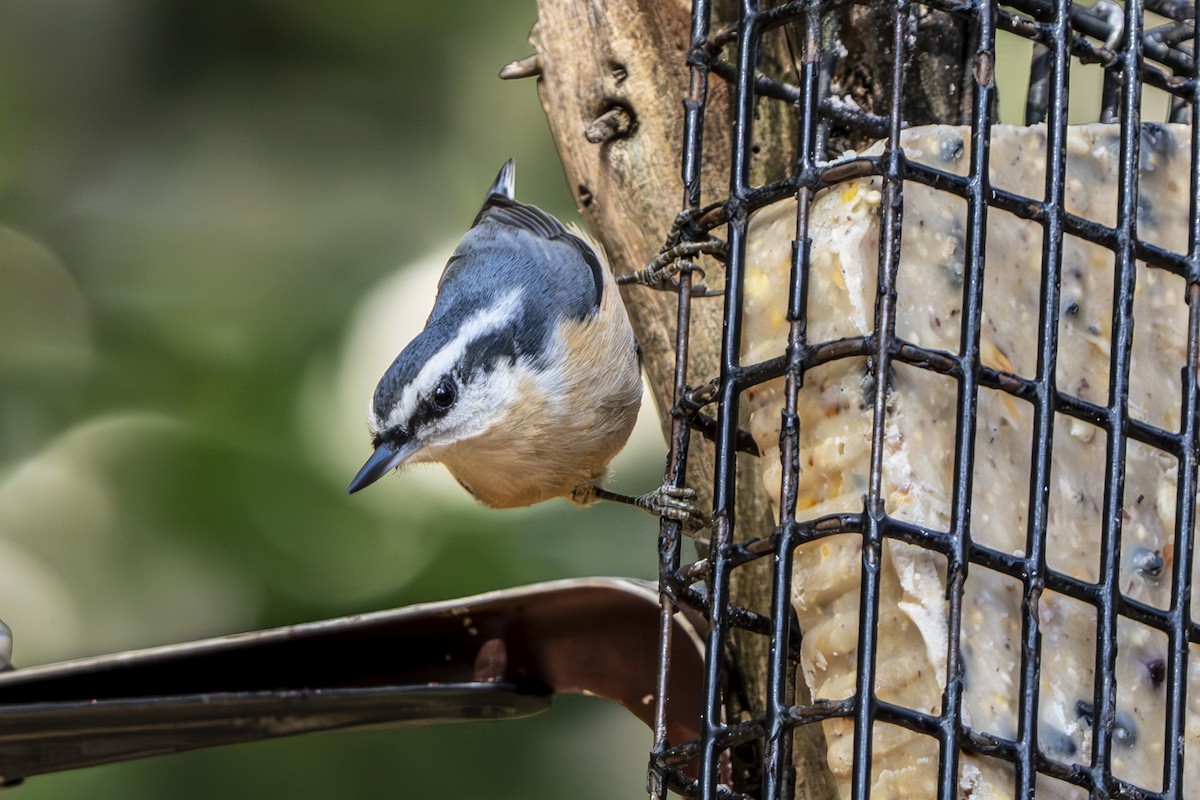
478,324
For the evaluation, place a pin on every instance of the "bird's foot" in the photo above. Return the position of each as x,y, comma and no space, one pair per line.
670,502
662,273
674,503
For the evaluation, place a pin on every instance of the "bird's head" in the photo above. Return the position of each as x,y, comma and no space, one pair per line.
492,346
459,378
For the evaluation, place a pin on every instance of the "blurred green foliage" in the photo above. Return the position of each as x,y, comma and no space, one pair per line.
203,208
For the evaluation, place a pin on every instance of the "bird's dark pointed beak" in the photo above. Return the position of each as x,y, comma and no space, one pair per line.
385,459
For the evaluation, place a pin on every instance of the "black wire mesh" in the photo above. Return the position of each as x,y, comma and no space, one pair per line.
1142,43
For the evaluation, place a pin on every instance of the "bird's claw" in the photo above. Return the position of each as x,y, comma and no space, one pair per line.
662,273
674,503
662,277
666,502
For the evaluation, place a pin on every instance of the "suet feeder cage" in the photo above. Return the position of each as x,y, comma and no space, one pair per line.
972,368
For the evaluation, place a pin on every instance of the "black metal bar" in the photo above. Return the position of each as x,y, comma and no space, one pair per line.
1150,616
724,481
670,532
820,710
1039,85
1033,578
1034,210
967,400
690,787
1088,53
1179,635
1181,632
1174,9
1117,422
890,221
947,364
1164,51
1110,94
778,772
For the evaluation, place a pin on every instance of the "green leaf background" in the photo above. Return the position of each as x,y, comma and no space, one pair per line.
219,221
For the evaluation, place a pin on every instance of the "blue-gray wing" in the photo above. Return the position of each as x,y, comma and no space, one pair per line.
564,250
514,246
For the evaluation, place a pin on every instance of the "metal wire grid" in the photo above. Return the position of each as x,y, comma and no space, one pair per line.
1064,33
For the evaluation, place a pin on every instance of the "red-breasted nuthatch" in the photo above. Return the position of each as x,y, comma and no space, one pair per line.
526,380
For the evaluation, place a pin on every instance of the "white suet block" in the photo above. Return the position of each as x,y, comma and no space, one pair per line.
835,410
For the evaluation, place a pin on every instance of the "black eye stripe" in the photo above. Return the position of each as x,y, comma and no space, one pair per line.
436,404
484,354
423,415
497,347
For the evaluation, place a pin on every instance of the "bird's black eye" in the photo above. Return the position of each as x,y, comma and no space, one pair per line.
444,395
